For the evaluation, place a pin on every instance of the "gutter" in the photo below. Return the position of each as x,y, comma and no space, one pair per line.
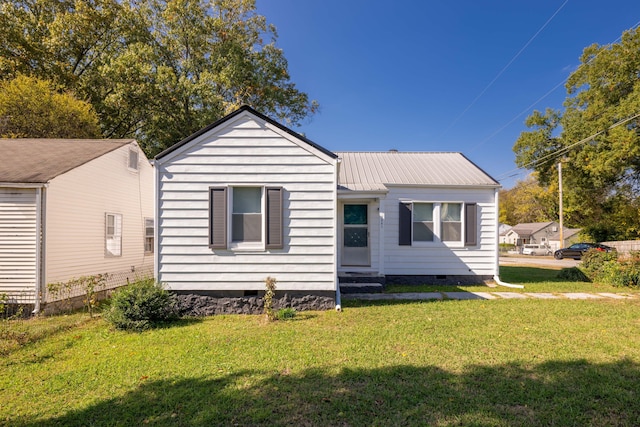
338,301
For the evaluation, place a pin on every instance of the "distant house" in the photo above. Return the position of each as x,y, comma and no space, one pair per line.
569,236
246,198
531,232
72,208
503,229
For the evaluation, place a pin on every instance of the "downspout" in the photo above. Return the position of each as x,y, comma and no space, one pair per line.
496,276
40,248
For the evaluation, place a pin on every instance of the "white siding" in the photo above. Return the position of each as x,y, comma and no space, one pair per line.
18,243
440,259
246,150
77,202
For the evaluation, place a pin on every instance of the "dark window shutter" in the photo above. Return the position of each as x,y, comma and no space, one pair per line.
471,224
274,218
405,218
218,217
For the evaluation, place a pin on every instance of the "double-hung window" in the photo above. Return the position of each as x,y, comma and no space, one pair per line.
245,217
148,235
451,222
113,234
424,223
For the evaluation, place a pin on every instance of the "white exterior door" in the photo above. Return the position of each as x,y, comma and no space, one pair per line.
355,235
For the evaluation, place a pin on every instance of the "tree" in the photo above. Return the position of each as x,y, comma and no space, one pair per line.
156,70
597,137
32,108
528,201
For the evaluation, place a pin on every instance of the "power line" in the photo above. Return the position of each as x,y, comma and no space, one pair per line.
563,150
637,24
504,69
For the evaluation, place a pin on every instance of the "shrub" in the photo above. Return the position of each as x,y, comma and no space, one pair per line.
594,263
141,305
286,313
573,274
611,269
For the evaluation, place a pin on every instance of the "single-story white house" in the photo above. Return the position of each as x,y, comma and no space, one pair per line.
246,198
72,208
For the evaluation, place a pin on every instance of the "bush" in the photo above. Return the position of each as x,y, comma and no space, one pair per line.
141,305
611,269
573,274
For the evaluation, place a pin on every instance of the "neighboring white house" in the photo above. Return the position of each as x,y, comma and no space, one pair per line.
246,198
72,208
503,229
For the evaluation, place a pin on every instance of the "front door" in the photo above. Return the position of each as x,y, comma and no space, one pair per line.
355,235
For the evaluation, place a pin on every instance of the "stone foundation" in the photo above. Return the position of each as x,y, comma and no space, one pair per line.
205,305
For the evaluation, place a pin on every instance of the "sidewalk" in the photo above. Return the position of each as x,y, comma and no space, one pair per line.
417,296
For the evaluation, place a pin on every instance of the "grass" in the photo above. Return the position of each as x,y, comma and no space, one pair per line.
534,279
445,363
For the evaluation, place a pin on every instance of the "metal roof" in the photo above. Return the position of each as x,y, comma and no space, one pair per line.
374,171
529,228
40,160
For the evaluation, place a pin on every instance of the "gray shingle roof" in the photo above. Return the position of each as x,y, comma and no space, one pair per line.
40,160
373,171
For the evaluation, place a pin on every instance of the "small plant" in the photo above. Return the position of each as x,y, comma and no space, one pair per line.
270,292
141,305
286,313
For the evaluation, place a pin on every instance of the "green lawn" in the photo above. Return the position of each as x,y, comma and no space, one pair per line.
534,279
446,363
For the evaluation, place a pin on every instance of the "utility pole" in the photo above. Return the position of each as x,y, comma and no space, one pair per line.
560,196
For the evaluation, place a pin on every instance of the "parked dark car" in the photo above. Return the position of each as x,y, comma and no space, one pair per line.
577,250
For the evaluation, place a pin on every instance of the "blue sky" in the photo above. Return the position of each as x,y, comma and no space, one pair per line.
437,75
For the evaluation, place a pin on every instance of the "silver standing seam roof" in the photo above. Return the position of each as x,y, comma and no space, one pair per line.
374,171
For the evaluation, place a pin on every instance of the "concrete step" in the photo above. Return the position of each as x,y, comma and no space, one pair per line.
361,288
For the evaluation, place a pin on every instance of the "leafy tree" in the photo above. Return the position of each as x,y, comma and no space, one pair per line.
155,70
597,137
33,108
528,201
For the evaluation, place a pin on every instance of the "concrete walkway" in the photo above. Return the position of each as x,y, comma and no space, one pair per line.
417,296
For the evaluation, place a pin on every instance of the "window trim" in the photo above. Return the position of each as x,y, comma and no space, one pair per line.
469,224
221,213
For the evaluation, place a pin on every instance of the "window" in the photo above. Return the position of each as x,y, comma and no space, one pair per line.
451,222
245,217
423,230
148,235
113,234
133,159
424,222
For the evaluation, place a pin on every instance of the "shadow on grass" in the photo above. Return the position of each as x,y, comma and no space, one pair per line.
555,393
518,274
